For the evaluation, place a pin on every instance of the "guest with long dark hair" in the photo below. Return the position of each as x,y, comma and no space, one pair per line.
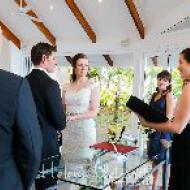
163,101
180,125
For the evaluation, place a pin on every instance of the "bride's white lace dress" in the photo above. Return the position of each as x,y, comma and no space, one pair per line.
80,134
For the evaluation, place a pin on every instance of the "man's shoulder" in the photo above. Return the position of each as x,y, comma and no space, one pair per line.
10,78
39,74
8,74
10,86
41,80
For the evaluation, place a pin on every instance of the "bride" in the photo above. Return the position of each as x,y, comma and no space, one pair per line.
81,100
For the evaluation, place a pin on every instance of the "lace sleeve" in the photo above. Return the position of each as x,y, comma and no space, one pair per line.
64,89
95,96
95,85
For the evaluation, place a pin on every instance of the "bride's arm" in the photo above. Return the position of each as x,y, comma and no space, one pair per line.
170,105
93,107
63,97
181,119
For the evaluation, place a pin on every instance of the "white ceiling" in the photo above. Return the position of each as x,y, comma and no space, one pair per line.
152,11
110,20
60,21
21,26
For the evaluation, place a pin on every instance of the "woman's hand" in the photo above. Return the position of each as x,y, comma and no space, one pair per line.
142,121
165,143
71,118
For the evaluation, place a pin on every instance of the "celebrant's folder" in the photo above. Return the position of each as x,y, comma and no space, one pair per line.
146,111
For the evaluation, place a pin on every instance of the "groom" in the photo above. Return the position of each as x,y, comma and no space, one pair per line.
47,96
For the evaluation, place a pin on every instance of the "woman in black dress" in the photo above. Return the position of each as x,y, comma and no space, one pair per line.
180,126
163,101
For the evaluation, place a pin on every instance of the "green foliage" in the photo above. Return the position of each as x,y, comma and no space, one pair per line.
177,83
116,86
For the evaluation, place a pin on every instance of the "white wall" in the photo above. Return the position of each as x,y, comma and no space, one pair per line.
16,60
11,58
5,55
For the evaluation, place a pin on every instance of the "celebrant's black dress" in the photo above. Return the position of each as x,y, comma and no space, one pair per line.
180,168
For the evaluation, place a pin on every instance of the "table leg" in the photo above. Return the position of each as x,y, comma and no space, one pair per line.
165,173
124,178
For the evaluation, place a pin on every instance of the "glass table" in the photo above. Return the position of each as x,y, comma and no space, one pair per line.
103,170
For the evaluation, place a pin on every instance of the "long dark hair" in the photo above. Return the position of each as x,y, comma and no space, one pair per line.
186,54
165,75
74,64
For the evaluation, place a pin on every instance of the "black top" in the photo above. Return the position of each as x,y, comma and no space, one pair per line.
160,105
180,168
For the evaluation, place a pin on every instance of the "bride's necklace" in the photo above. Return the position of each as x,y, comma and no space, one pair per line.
80,85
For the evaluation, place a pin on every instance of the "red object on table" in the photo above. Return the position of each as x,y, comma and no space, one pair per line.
106,146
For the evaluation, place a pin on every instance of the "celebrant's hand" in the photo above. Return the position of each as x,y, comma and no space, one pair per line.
142,120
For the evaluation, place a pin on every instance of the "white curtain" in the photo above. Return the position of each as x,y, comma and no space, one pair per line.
27,66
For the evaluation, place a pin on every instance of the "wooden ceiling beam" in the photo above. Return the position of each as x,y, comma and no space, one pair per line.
108,59
9,35
41,27
69,59
136,17
81,19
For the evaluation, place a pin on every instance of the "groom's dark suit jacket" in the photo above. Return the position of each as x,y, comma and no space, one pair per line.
20,136
47,96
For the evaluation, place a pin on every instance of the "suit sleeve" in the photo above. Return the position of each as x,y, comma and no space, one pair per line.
28,137
55,107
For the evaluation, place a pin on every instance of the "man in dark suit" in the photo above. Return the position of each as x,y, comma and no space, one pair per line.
20,135
47,96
